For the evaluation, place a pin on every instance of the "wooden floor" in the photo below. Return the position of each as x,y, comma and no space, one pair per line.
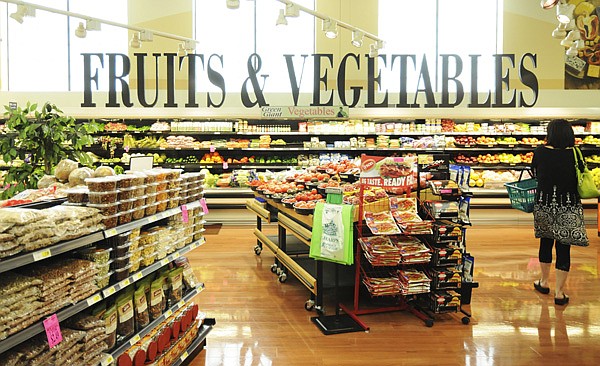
263,322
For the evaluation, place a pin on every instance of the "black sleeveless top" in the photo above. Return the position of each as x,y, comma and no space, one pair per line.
555,172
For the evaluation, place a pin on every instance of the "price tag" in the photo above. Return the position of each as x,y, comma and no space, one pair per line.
168,313
164,262
180,304
126,149
152,218
184,214
134,340
107,360
110,232
109,291
126,282
204,206
52,330
212,148
175,255
94,299
177,148
184,356
42,254
138,276
225,165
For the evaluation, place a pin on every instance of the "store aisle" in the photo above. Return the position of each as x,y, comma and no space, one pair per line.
263,322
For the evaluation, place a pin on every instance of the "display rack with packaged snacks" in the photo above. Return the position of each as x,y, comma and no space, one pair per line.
75,272
417,265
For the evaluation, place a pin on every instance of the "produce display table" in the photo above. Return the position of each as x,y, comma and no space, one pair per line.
290,246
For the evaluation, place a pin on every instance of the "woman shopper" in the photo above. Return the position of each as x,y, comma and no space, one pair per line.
557,212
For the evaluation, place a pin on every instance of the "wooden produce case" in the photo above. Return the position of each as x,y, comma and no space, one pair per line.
291,243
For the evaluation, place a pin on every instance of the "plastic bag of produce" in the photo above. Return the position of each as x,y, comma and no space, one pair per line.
46,181
64,169
103,171
78,176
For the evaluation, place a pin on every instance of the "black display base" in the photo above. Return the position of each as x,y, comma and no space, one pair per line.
336,324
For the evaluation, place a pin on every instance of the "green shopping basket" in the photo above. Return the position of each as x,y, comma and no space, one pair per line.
522,194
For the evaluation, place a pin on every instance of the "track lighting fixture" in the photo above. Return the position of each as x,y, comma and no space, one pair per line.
281,20
233,4
189,46
571,37
560,31
357,38
181,52
146,36
135,41
564,12
548,4
292,10
80,31
572,51
23,11
330,28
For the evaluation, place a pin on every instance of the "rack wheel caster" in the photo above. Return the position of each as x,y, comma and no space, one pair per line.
257,250
429,323
282,277
273,268
278,271
309,305
466,320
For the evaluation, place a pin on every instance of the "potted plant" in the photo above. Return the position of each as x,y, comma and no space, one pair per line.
36,140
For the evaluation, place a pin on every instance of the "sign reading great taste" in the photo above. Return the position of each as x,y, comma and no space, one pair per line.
168,65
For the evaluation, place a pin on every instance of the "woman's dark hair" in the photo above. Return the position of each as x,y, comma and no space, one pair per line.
560,134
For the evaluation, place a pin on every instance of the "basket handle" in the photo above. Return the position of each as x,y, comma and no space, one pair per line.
523,171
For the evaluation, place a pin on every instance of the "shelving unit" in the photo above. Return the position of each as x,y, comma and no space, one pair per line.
107,292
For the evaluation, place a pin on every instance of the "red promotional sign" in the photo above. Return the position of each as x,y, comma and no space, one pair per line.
389,172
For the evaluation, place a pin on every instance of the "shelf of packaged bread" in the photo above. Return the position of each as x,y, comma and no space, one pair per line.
167,314
49,252
76,308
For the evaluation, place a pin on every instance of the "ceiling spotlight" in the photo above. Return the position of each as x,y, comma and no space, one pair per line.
146,36
548,4
572,51
570,38
181,52
23,11
330,28
80,31
92,25
281,20
135,41
292,10
189,45
373,50
357,38
233,4
560,31
564,12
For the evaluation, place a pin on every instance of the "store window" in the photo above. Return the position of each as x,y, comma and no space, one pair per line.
430,28
237,33
43,54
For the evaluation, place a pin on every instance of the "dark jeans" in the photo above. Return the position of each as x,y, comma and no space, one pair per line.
563,254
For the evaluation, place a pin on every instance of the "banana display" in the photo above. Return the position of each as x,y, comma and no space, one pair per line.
148,142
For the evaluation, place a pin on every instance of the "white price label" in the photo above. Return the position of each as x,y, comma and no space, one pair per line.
94,299
168,313
175,255
180,304
107,360
110,232
134,340
126,282
164,262
152,218
184,356
138,276
42,254
109,291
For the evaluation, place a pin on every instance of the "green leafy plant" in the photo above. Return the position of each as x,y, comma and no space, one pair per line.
36,140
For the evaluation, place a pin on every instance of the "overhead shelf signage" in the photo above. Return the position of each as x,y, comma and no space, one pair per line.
304,112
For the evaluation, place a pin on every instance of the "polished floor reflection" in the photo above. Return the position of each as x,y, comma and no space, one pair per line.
263,322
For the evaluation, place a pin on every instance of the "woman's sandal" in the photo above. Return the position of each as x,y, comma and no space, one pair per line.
563,301
539,288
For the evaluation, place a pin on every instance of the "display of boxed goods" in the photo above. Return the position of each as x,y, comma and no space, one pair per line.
445,278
